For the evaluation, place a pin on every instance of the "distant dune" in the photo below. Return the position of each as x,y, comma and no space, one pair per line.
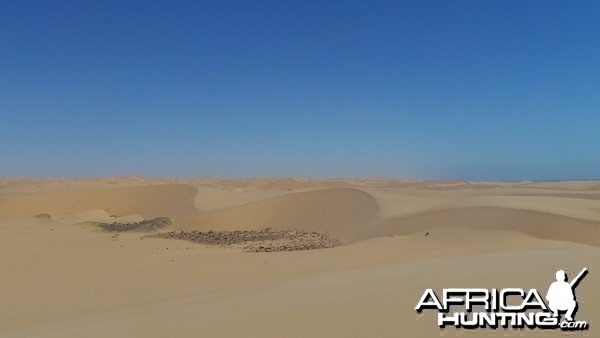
553,210
336,211
71,267
149,201
340,212
533,223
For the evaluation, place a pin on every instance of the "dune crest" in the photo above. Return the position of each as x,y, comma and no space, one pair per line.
340,212
164,200
77,260
534,223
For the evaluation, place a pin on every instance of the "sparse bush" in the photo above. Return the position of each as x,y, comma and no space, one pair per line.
143,226
45,217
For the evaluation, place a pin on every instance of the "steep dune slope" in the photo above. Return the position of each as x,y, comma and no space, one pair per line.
339,211
534,223
212,199
570,206
60,280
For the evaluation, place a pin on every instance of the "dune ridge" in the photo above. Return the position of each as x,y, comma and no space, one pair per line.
349,213
63,279
534,223
148,200
337,211
341,212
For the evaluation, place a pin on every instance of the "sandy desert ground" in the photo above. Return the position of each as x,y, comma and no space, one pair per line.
63,277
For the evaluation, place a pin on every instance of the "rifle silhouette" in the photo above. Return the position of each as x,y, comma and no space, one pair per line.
578,278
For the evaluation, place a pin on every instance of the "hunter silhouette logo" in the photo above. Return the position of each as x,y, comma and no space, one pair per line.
561,295
509,307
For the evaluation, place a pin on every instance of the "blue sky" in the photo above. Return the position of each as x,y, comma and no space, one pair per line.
422,89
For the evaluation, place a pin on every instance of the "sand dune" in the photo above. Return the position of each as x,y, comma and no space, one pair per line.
366,289
534,223
570,206
400,236
149,201
339,211
346,213
212,199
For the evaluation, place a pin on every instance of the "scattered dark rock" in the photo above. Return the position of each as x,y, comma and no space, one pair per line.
265,240
44,217
143,226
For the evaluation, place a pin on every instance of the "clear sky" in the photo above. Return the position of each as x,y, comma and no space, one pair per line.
415,89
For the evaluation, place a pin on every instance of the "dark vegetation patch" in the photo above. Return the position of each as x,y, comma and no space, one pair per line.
44,217
154,224
266,240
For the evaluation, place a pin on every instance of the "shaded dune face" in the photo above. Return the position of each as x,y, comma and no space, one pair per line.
533,223
150,201
341,212
347,214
